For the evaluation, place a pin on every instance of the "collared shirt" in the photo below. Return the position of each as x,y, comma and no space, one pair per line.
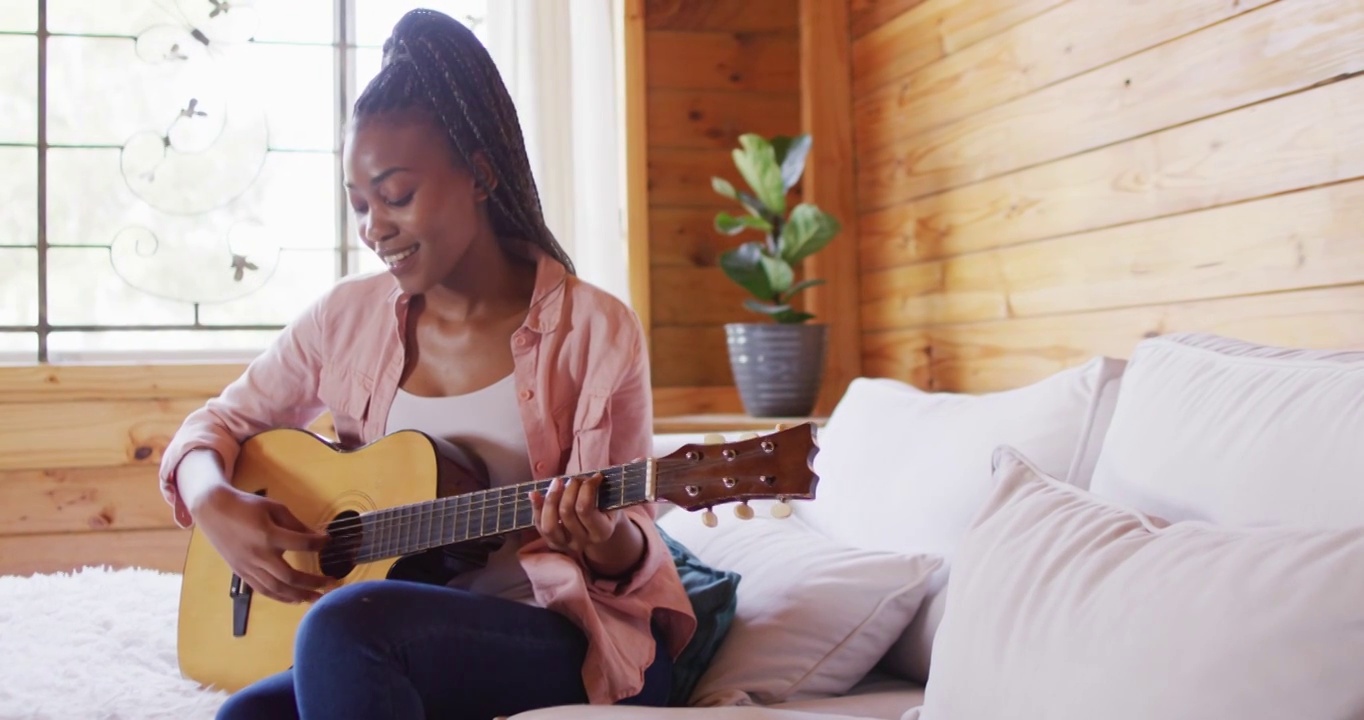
583,388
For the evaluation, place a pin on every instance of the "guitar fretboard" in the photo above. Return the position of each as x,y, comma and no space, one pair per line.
408,529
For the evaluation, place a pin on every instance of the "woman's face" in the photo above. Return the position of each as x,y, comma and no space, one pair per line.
415,207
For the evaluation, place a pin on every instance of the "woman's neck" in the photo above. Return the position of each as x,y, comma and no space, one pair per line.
488,281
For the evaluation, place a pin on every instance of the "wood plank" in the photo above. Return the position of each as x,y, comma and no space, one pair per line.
903,355
1305,239
637,250
82,500
715,119
727,15
681,178
989,356
690,355
930,31
830,177
1281,48
867,15
39,383
730,424
761,62
1063,42
687,237
698,296
1293,142
88,433
671,402
66,552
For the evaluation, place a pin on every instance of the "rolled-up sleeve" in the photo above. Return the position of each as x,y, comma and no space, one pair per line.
278,389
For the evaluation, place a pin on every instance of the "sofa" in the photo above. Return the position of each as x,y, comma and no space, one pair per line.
1178,535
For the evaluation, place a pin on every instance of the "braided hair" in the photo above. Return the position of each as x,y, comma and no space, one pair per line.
434,63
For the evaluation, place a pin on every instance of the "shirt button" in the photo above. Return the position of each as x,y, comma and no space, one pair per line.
526,394
520,341
540,466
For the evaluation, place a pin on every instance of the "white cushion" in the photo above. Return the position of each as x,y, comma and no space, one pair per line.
906,470
1236,433
1066,606
813,616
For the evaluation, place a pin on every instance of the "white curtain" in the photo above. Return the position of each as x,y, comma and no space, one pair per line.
562,69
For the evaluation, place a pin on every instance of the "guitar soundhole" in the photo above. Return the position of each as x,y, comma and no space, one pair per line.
338,558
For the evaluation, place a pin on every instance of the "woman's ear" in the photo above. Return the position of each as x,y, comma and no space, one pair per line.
484,176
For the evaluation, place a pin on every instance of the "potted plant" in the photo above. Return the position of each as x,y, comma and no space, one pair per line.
778,365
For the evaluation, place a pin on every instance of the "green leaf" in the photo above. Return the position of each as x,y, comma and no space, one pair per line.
779,274
757,162
807,231
802,285
731,225
766,308
724,187
790,154
793,317
744,265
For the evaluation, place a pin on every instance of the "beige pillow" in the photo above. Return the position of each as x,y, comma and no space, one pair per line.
1068,607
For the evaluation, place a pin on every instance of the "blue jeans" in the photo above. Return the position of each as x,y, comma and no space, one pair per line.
399,649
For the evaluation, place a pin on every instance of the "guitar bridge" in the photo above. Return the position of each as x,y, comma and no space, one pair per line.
241,605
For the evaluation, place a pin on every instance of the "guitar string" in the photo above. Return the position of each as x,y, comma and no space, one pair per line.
493,499
496,501
501,494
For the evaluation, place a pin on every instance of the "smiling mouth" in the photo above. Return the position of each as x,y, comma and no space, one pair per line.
393,258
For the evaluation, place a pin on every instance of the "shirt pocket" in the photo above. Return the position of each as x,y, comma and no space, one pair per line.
591,448
346,393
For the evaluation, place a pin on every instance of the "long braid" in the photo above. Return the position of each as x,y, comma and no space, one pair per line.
434,62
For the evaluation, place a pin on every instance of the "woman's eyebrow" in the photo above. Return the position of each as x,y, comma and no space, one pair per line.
382,176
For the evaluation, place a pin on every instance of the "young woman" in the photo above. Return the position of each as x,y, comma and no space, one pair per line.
479,332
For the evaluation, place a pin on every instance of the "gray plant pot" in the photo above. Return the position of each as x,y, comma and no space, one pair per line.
778,368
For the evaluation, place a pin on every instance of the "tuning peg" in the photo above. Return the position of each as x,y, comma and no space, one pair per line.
743,511
783,426
781,510
713,439
708,518
748,436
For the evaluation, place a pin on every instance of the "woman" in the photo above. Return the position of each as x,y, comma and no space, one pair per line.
479,332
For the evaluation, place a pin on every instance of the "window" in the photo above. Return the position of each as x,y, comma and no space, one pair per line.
171,181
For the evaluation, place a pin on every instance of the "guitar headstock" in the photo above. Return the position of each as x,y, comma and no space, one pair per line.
776,466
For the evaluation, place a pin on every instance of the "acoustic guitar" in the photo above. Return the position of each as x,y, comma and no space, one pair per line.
413,506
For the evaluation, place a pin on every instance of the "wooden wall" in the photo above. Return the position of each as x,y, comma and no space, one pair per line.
79,448
1039,181
713,70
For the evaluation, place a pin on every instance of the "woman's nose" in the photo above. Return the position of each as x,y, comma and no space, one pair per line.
378,227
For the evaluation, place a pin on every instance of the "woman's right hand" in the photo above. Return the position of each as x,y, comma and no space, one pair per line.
251,533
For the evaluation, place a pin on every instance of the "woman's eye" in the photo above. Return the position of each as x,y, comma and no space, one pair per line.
359,208
402,200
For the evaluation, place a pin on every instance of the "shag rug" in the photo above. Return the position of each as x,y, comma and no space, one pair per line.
97,644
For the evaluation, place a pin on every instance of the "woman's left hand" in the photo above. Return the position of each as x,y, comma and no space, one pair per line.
567,515
569,520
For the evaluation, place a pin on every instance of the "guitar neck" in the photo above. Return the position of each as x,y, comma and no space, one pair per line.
408,529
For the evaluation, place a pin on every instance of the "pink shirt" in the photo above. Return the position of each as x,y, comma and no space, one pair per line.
583,386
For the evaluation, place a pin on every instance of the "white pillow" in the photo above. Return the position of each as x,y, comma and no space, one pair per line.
1239,434
905,470
1066,606
813,616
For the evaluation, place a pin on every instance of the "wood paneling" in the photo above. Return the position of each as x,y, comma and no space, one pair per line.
727,15
710,400
47,383
714,70
88,433
1067,40
930,31
763,62
715,120
1104,172
1304,139
1310,238
64,552
867,15
1281,48
826,113
636,119
82,499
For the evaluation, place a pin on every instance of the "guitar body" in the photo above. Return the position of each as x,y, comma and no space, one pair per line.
318,483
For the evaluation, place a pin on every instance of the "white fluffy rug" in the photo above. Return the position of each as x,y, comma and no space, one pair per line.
97,644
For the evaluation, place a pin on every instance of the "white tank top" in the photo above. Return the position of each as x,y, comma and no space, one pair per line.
488,422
